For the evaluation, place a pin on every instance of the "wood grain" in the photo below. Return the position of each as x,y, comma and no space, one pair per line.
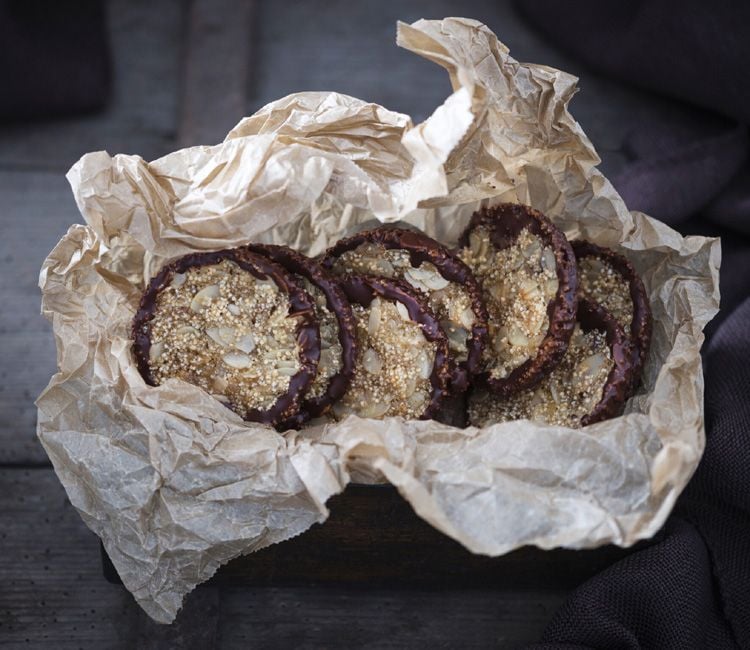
53,593
216,72
37,209
141,116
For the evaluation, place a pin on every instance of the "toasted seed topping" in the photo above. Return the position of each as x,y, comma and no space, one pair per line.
221,328
450,301
517,284
331,353
603,284
569,393
393,367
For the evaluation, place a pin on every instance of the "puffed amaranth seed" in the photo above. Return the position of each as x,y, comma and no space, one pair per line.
402,366
338,338
527,271
447,284
611,280
591,383
240,328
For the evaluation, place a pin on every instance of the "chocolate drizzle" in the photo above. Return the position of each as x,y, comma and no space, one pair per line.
362,289
641,325
337,304
422,248
287,406
505,223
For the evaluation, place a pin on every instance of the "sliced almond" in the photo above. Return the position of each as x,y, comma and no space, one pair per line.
178,280
327,361
373,322
371,361
517,337
220,384
548,260
375,410
402,310
204,297
236,360
224,336
415,282
155,351
478,242
416,400
592,365
425,365
467,318
246,343
436,282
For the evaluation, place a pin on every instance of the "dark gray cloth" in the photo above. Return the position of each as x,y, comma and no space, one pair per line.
690,586
54,58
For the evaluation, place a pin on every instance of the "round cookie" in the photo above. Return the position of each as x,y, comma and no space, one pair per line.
447,284
239,327
590,384
338,341
610,279
402,366
527,272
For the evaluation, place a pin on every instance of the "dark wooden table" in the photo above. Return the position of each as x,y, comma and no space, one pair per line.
185,72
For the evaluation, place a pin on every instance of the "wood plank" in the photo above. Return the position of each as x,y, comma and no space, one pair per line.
142,113
374,538
333,617
37,209
216,69
53,594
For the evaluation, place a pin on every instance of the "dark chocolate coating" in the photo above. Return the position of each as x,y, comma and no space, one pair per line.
422,248
362,289
506,221
287,405
617,388
642,323
338,304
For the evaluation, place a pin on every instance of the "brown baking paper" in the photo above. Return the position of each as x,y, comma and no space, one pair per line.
176,485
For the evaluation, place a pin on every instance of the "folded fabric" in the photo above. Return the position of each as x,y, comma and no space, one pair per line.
688,587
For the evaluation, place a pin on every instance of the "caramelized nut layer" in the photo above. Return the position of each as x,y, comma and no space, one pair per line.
568,394
449,301
518,283
393,367
221,328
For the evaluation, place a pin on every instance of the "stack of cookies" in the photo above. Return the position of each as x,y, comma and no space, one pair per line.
516,323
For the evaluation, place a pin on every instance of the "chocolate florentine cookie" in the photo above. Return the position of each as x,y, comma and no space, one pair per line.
402,366
609,279
238,326
590,384
527,272
338,340
447,284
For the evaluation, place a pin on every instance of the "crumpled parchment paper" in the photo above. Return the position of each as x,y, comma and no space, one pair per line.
176,485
